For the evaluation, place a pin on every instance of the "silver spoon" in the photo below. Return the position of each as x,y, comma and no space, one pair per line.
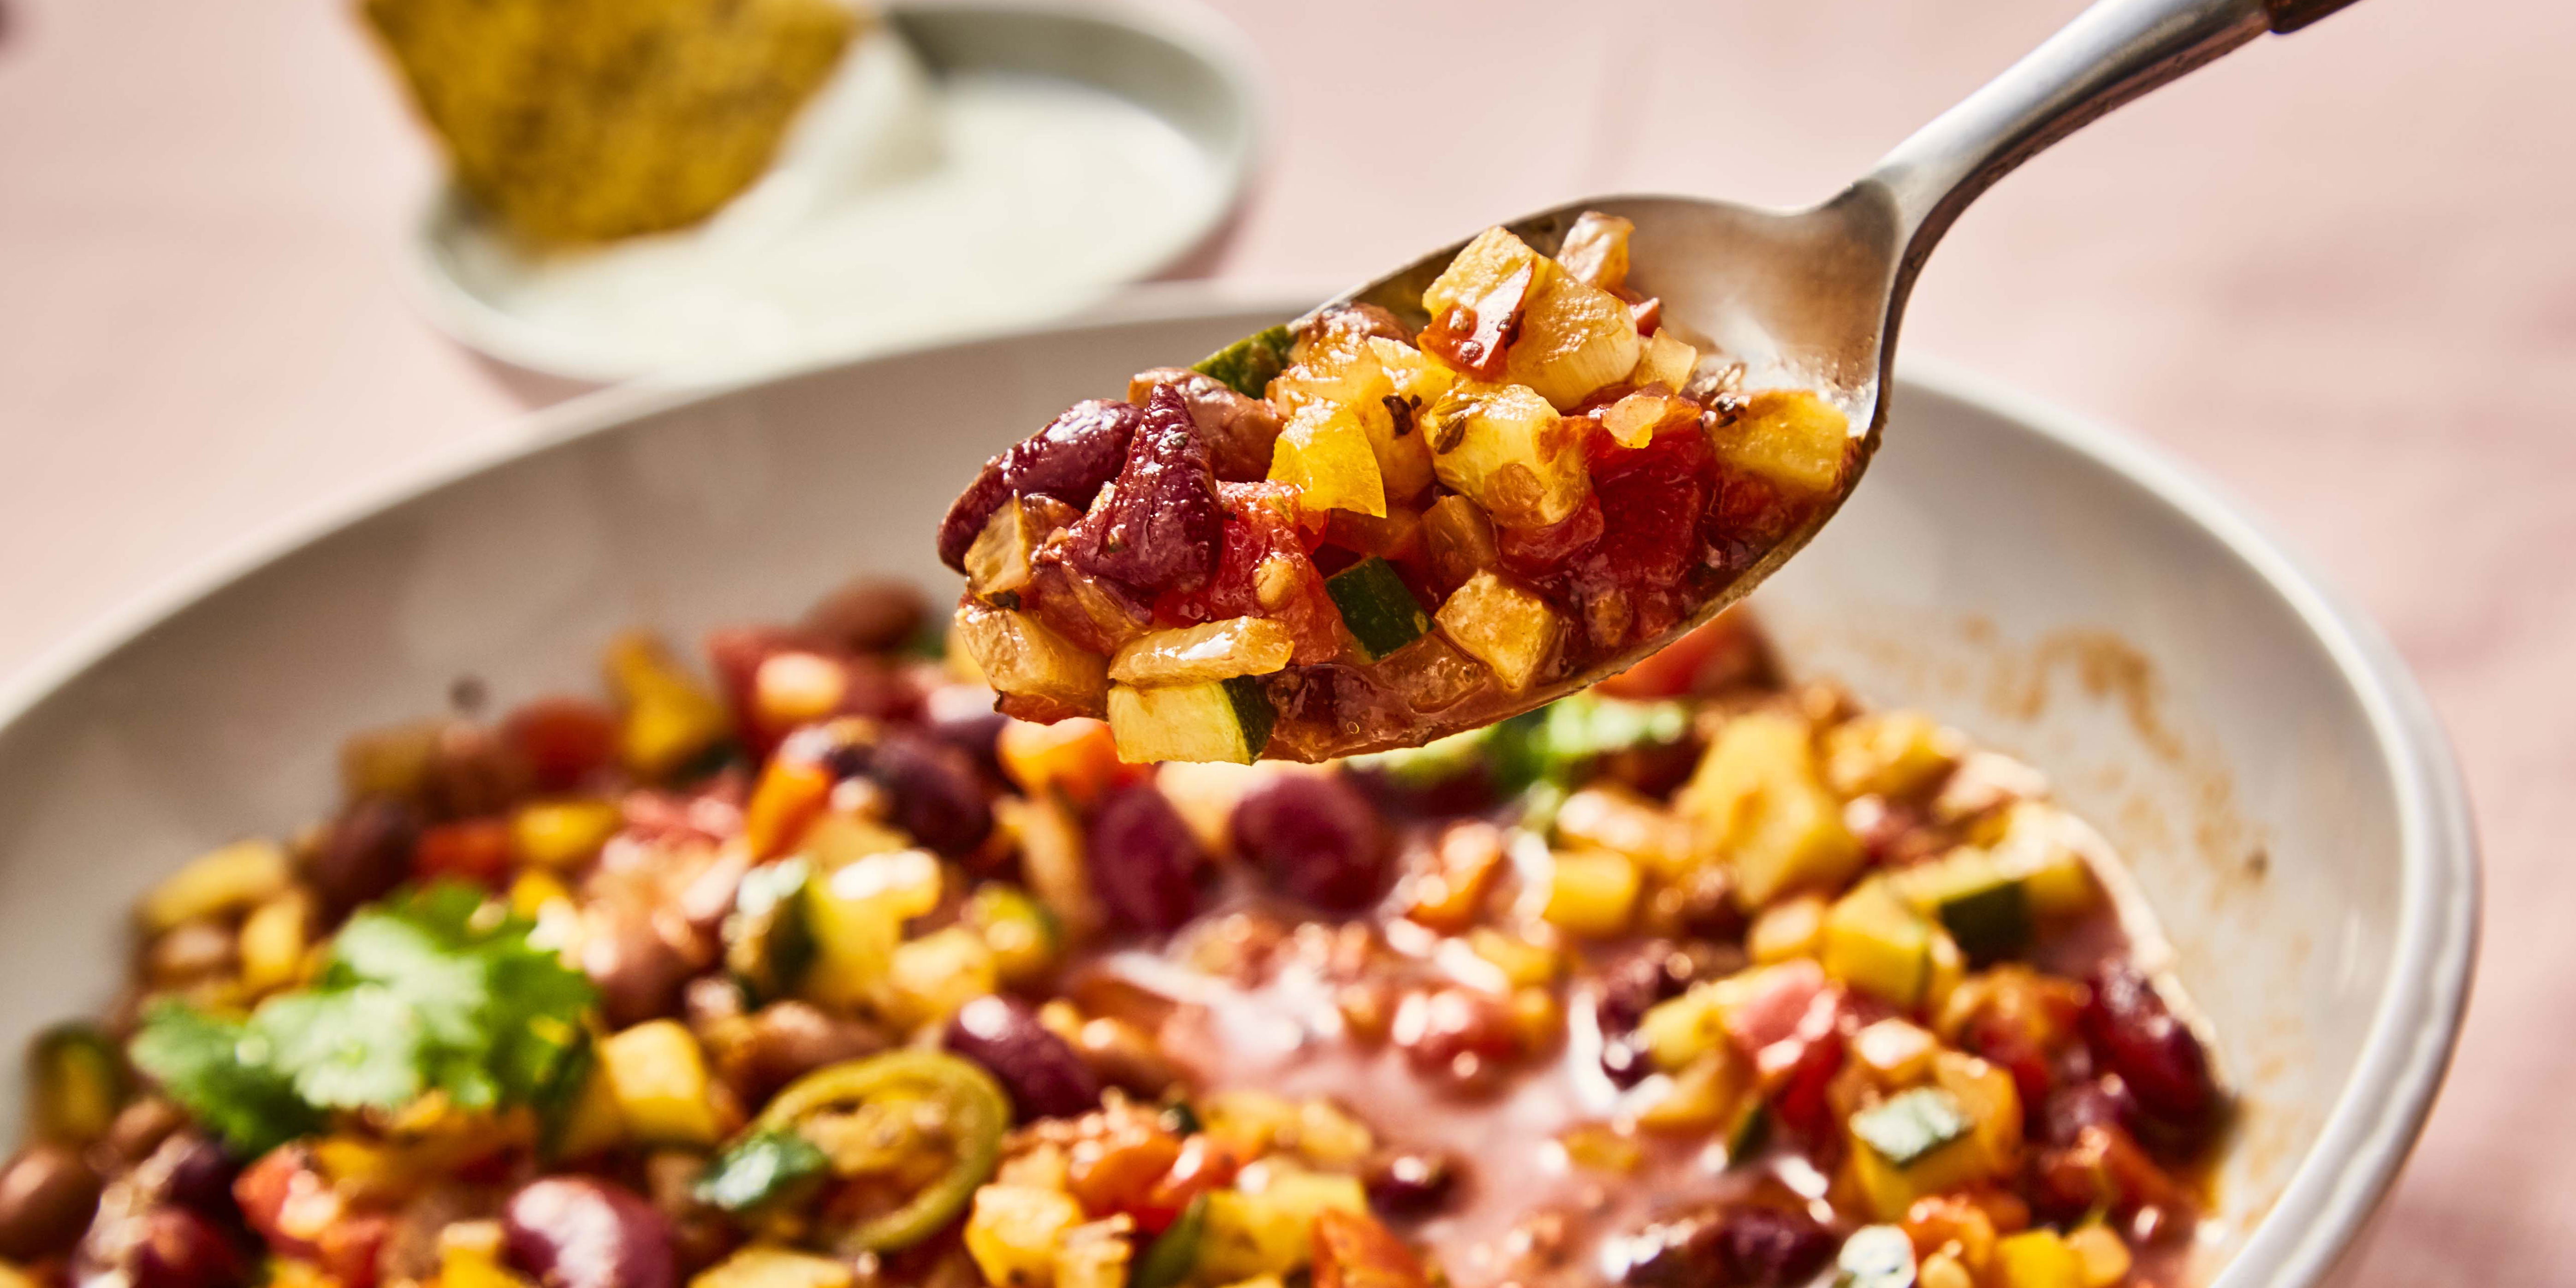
1818,293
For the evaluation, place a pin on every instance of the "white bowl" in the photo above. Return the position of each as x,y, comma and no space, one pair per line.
2275,778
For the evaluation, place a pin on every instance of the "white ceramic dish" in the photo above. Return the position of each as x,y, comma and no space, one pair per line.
1057,109
2283,794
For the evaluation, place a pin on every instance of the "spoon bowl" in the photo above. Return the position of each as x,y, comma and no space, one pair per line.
1814,297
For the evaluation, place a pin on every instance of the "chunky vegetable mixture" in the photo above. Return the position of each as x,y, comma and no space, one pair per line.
822,974
1318,541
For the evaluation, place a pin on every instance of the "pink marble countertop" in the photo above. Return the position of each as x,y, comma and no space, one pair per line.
2336,272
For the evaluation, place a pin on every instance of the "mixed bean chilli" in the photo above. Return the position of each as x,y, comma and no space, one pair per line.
1348,535
820,973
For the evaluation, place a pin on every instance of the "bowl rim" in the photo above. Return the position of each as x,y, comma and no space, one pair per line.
464,316
2366,1135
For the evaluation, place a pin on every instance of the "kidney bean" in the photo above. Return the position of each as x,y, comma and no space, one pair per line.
365,853
1161,525
1043,1075
1239,432
2074,1106
869,614
1458,1034
1077,452
472,771
1411,1184
1317,838
47,1196
198,1175
1774,1246
141,1127
1624,1060
962,716
180,1249
2135,1035
1637,979
562,740
938,796
1145,861
1712,1245
582,1232
968,514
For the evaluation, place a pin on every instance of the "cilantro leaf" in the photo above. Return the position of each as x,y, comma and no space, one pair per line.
213,1068
437,991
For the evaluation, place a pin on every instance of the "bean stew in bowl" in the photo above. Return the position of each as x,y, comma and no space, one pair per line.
812,971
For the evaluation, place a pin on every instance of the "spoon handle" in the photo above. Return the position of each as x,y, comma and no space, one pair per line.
2111,53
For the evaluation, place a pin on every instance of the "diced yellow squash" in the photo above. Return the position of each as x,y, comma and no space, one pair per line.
1253,1232
1522,964
1895,753
1987,1097
1610,817
1949,971
1679,1031
1897,1053
1792,437
1591,893
1325,453
998,562
1504,625
1025,942
2103,1255
1756,802
1096,1254
1249,1119
1601,1147
469,1256
1706,1094
1485,263
857,916
929,978
1667,360
659,1079
1875,944
1595,250
1506,448
667,718
596,1124
1793,927
563,833
1019,654
838,838
1357,379
2037,1259
218,883
1575,338
1013,1233
1209,651
768,1266
2038,844
273,942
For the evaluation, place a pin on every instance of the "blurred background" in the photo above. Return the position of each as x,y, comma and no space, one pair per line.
2333,272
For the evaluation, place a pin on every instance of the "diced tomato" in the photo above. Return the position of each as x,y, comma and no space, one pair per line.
285,1198
868,687
1723,651
1075,756
1263,547
564,740
1354,1251
474,849
1119,1172
351,1249
1205,1164
1787,995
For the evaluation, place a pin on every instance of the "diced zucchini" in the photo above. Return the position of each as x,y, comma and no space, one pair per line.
2039,1258
1706,1095
1174,1254
1898,753
1218,720
1750,1131
1324,453
1265,1233
1875,1256
1792,437
1377,606
218,883
659,1079
1506,448
769,940
1595,250
1679,1031
2040,844
1912,1125
1756,802
1217,650
1504,625
1877,945
1984,906
1591,893
1013,1232
1248,365
1019,654
1575,338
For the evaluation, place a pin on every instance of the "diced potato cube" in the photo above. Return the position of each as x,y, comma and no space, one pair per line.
1493,258
1508,450
2037,1259
1019,654
273,941
1756,802
1595,250
218,883
1665,359
1610,817
659,1079
2104,1256
998,562
1707,1094
857,917
1575,338
563,834
668,718
929,978
1503,625
1209,651
1325,453
765,1266
1591,893
1793,927
1877,945
1678,1032
1358,380
1013,1233
1523,964
1895,1052
1897,753
1458,536
1791,436
1096,1254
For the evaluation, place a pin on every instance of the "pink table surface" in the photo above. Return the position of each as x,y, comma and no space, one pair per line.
2336,272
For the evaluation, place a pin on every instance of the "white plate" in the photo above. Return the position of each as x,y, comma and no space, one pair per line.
975,167
2056,589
